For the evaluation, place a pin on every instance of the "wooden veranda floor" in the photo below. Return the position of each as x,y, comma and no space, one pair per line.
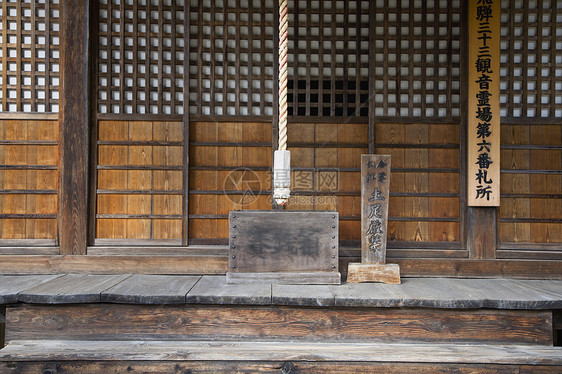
448,293
72,323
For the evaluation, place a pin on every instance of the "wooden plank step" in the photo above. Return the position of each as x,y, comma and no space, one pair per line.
12,285
150,289
283,323
442,293
71,288
118,350
267,367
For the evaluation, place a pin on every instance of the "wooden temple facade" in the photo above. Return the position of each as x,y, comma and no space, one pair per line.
130,129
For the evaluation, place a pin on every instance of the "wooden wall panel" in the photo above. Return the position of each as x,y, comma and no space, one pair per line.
139,195
230,169
425,202
28,180
531,206
326,161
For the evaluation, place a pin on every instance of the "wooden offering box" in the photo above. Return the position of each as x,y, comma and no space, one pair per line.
286,247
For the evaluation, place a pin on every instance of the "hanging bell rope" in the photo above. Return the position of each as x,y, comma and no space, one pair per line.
282,157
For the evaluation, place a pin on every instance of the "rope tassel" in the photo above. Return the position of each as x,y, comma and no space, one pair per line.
282,157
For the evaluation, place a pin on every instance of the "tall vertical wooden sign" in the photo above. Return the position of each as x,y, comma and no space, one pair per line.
484,103
375,187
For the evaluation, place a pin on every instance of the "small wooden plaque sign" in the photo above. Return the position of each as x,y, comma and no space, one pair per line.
375,188
290,247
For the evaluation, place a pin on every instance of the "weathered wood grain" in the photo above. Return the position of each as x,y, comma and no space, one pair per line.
507,294
269,367
283,241
277,323
375,188
215,290
530,269
150,289
306,295
365,272
71,288
481,236
293,277
22,264
75,112
11,286
46,350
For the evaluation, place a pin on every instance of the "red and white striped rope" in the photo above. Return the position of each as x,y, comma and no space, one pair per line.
283,52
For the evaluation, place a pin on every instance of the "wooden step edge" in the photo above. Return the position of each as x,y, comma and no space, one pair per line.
79,350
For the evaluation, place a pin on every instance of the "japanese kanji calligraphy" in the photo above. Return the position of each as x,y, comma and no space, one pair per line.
375,190
483,108
375,181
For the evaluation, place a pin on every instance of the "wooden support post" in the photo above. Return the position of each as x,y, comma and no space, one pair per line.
375,188
482,237
74,119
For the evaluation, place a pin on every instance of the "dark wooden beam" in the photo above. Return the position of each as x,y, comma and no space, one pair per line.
216,264
74,118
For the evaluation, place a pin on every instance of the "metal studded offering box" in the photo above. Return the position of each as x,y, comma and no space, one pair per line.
285,247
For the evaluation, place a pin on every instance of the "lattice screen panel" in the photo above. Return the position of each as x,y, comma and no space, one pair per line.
29,55
531,59
231,57
328,58
417,64
141,55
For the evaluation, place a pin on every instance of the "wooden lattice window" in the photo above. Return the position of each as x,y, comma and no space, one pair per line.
231,57
531,59
29,56
328,58
417,63
141,56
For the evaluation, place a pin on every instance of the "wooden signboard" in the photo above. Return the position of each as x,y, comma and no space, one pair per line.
290,247
375,188
484,103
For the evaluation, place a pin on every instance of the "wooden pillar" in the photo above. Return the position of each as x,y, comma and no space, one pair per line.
74,119
481,235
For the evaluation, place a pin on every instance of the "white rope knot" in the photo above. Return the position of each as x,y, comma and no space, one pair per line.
281,195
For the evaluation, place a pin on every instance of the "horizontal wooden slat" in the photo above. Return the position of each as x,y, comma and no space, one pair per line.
252,352
277,323
4,115
26,264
